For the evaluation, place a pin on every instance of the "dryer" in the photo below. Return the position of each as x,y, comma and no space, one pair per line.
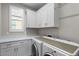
36,47
48,51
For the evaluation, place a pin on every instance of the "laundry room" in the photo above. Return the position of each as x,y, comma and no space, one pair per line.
39,29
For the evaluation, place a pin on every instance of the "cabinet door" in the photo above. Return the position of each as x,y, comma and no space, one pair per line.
0,19
7,49
7,52
44,17
53,15
41,16
24,49
20,48
21,51
50,15
31,18
39,20
28,46
56,17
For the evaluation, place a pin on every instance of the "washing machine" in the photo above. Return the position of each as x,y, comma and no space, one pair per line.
36,47
48,51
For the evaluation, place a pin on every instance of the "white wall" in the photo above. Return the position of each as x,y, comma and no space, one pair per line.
5,21
48,31
69,23
0,19
69,26
32,32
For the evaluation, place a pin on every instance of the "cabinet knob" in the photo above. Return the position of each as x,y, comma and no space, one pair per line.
54,51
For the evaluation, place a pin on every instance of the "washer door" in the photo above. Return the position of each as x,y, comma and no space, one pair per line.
48,54
34,50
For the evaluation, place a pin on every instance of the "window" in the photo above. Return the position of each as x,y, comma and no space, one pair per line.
16,19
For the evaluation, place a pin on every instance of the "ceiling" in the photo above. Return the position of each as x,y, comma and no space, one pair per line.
34,6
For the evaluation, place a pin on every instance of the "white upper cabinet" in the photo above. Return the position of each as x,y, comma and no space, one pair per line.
47,16
31,18
52,15
41,17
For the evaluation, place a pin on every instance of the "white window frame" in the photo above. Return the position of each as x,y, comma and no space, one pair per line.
16,30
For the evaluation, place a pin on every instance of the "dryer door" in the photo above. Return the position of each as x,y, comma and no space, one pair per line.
34,50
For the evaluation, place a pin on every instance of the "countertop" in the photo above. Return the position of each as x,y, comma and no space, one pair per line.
71,47
64,46
8,39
